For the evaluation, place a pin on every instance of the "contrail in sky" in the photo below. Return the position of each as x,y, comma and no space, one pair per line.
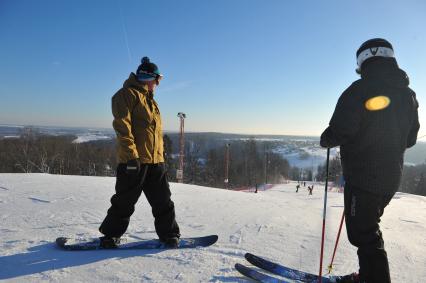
125,32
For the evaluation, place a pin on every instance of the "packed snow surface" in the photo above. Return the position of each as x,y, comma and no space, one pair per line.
279,224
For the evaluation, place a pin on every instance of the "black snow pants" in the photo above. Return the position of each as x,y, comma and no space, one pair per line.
362,212
152,180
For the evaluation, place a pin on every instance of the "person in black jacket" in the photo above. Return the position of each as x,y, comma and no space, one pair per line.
375,120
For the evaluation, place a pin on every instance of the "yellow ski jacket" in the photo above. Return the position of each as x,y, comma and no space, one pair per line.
137,123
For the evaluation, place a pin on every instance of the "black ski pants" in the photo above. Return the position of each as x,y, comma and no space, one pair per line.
152,180
362,212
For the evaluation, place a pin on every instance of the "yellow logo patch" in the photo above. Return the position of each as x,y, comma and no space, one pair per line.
377,103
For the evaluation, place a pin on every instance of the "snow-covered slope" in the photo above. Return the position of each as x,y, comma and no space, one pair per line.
278,224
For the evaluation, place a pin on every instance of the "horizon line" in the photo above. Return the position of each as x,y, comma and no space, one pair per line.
164,131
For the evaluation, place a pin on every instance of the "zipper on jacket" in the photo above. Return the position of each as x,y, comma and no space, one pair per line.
153,144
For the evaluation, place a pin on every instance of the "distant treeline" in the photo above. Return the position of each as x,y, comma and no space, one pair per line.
33,152
413,177
414,180
251,162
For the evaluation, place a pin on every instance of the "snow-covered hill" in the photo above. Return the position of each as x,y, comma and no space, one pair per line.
278,224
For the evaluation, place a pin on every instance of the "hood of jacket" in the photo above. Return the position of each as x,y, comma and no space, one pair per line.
133,82
385,70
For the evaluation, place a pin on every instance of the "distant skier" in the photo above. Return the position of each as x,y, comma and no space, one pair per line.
137,123
375,120
297,188
310,188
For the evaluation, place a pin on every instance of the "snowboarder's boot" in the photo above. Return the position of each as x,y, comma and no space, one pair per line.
350,278
172,242
109,242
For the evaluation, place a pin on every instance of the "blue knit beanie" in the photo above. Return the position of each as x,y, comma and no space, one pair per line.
147,71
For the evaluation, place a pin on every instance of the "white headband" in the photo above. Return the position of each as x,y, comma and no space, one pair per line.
372,52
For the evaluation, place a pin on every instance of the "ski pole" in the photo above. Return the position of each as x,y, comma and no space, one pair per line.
330,266
323,215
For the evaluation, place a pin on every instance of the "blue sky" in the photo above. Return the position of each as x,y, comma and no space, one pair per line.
239,66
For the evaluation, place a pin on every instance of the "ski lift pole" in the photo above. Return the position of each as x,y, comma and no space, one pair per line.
324,215
330,266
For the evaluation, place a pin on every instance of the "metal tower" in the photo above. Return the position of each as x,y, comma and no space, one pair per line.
179,172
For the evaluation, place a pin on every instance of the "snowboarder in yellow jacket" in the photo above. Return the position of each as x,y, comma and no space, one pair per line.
137,123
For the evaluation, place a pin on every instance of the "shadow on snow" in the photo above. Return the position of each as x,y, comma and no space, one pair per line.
48,257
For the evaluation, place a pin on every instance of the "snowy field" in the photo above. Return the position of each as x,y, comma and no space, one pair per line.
278,224
90,137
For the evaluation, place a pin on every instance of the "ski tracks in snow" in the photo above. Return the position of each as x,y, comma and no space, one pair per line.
250,229
38,200
3,189
237,237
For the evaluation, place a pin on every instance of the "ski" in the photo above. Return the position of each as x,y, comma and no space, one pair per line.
285,271
70,244
256,275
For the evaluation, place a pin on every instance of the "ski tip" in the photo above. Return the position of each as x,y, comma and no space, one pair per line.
249,255
240,266
246,271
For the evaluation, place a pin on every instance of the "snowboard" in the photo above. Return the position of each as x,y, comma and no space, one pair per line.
71,244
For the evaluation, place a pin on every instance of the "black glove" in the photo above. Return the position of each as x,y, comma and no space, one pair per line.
133,167
328,139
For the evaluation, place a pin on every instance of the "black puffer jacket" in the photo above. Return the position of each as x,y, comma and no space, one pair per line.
373,143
